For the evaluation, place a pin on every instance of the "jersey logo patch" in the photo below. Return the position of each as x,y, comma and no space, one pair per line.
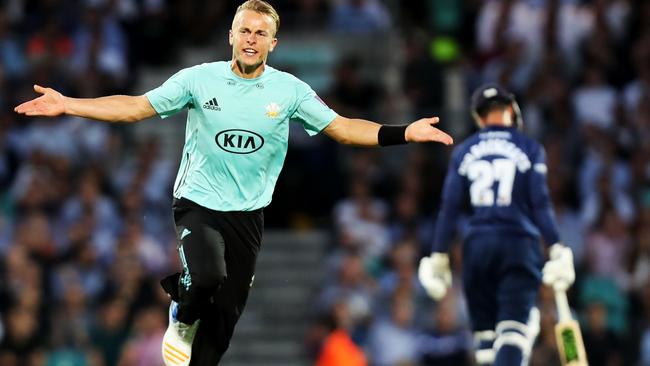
238,141
212,104
273,110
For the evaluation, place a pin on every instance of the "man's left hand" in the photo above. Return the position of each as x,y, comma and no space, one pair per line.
558,271
422,130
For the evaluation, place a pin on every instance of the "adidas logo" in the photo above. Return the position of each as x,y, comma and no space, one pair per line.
212,104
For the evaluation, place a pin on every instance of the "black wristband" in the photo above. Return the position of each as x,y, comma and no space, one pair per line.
391,135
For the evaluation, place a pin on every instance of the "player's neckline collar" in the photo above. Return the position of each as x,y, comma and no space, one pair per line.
247,80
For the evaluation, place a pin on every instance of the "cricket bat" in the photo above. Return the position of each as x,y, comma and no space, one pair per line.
567,334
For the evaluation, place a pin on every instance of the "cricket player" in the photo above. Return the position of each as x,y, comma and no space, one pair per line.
499,175
235,144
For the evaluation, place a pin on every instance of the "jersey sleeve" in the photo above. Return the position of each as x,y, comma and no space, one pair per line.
453,198
542,209
173,95
311,111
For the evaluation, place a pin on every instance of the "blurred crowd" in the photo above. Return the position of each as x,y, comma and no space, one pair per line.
85,220
581,73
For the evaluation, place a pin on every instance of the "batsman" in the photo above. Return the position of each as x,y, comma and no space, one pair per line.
498,174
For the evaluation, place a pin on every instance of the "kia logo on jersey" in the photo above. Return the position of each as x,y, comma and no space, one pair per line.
239,141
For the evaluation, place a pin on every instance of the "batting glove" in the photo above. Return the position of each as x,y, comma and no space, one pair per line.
435,275
558,271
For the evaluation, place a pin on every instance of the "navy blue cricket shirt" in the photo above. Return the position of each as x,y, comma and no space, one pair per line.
500,175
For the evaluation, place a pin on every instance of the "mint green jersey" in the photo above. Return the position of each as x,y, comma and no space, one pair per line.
237,131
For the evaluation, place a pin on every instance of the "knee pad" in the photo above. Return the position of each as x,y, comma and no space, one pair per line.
533,324
508,332
483,343
530,330
484,356
516,334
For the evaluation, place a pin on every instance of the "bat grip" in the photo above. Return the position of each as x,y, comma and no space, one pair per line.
563,310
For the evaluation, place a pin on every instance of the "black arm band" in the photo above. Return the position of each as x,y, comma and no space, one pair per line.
391,135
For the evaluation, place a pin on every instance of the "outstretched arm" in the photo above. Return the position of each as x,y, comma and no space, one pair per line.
361,132
114,108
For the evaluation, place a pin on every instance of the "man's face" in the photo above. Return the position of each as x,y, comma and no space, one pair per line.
252,37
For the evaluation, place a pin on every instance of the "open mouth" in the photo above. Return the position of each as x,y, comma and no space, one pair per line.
249,52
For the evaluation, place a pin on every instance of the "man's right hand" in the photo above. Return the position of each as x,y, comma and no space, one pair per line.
435,275
50,104
422,130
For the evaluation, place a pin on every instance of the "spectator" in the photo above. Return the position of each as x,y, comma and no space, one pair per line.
361,221
351,93
594,100
448,342
607,248
604,179
110,331
12,56
392,340
601,344
91,204
401,273
338,348
100,48
143,347
408,223
22,337
352,286
72,217
360,17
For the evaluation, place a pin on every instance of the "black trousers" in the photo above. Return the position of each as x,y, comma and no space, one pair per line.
218,251
501,278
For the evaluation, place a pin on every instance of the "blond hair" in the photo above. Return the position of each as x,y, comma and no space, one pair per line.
261,7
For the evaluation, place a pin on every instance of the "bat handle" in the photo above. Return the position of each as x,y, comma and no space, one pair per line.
563,310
